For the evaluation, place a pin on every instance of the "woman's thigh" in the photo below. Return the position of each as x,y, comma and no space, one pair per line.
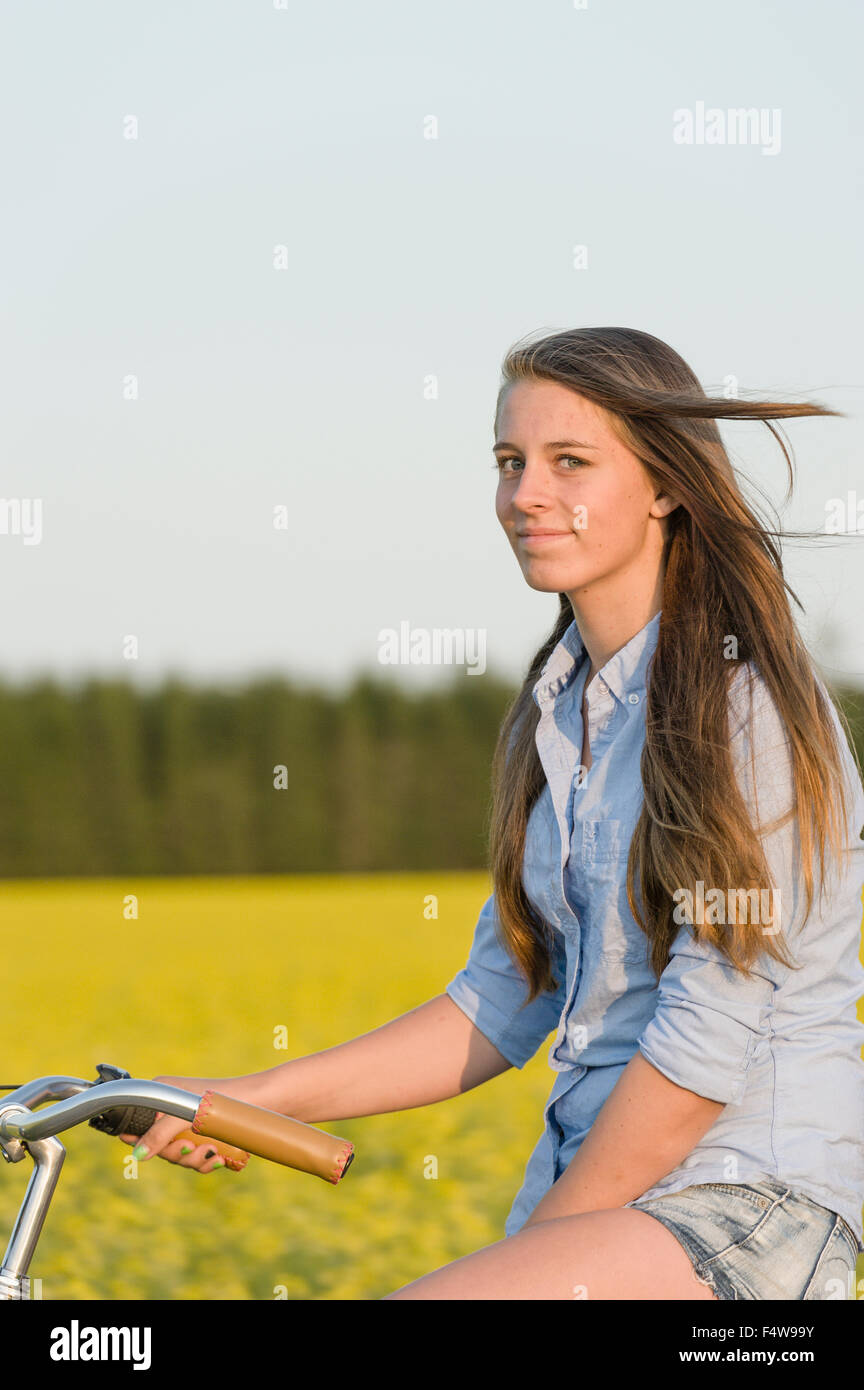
619,1253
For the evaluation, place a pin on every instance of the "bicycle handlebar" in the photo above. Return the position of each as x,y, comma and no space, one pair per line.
236,1127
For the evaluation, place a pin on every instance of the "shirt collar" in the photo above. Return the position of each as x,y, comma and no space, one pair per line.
625,673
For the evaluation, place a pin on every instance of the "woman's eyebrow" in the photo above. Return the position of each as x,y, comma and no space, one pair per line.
552,444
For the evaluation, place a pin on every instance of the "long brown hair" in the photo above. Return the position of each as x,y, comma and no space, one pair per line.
722,575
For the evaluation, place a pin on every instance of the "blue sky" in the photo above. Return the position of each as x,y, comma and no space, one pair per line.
303,127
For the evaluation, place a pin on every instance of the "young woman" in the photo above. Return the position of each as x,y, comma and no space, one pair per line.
661,784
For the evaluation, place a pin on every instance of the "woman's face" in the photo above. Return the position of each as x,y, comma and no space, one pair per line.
577,505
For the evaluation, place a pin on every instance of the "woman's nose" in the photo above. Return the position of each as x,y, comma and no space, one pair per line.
533,487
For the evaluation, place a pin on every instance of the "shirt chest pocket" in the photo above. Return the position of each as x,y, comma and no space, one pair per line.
611,932
602,843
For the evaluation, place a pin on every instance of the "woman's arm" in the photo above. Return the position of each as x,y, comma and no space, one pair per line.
646,1126
434,1052
429,1054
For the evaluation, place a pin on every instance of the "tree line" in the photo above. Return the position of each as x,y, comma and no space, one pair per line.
108,778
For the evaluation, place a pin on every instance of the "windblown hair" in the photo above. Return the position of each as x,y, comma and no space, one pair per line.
722,576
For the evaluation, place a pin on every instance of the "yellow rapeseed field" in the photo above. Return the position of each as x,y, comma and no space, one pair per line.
209,976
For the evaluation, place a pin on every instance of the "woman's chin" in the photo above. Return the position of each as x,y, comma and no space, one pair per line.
550,579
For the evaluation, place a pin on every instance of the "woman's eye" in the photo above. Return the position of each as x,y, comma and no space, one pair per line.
501,464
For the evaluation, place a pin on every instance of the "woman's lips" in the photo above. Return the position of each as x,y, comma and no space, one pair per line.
543,537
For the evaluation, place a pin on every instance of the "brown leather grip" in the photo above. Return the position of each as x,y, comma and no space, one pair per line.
280,1138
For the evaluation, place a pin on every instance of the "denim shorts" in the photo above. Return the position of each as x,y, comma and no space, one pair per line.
760,1240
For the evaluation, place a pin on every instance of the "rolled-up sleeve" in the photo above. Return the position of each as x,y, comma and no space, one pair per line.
708,1021
709,1016
491,990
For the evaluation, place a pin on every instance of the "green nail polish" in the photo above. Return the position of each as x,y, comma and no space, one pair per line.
139,1151
187,1149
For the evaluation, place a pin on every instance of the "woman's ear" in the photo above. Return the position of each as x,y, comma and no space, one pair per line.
663,504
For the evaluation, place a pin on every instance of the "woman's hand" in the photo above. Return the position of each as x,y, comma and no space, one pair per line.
161,1138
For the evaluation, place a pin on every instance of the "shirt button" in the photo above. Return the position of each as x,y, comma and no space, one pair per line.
633,698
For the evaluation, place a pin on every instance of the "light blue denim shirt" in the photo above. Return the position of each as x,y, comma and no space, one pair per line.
782,1050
